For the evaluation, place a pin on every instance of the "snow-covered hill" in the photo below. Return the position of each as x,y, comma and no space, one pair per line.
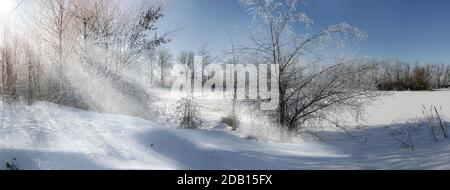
47,136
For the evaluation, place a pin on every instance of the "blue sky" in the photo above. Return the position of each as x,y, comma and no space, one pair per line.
411,30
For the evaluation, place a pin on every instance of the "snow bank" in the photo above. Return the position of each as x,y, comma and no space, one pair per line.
46,136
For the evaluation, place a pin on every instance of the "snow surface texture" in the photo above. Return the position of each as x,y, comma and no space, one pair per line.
47,136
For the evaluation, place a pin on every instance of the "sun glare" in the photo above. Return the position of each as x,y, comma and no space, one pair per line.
6,6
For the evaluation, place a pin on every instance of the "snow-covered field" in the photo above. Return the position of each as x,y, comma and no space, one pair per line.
407,106
47,136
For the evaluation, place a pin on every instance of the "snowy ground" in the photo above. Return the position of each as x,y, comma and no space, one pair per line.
46,136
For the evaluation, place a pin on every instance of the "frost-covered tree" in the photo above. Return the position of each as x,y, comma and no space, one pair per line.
150,57
186,58
54,21
8,68
188,113
32,75
307,92
164,61
77,51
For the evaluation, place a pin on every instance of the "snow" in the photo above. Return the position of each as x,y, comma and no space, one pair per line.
50,137
407,106
46,136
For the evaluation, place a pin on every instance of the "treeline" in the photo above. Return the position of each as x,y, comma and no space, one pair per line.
393,75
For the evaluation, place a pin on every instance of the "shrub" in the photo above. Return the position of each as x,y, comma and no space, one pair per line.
231,121
435,122
189,116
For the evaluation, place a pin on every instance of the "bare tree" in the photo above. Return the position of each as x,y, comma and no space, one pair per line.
186,58
323,89
53,20
440,72
233,118
140,34
164,59
446,77
34,75
9,76
151,59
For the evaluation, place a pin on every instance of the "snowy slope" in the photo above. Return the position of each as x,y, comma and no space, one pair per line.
47,136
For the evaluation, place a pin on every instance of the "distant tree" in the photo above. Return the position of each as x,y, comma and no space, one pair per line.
9,76
186,58
164,61
419,79
34,71
151,61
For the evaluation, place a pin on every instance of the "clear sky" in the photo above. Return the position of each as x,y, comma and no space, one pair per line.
411,30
